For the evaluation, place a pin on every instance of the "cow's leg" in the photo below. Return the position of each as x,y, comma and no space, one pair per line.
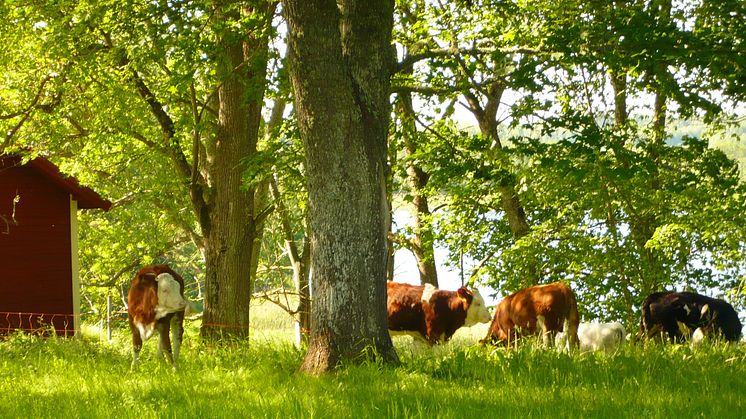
541,328
512,337
550,338
674,333
177,333
164,341
570,328
136,343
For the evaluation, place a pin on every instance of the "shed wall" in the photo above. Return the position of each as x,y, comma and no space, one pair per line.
35,253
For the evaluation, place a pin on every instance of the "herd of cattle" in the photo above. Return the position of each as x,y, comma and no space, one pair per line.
551,313
156,303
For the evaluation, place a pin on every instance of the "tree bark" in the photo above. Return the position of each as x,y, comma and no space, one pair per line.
230,239
340,54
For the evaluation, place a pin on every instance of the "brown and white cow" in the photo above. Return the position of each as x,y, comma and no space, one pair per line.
155,302
430,314
541,310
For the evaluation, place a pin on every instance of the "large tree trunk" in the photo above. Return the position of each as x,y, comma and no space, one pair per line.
340,60
230,239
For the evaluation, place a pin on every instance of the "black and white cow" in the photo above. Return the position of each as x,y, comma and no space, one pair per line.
666,311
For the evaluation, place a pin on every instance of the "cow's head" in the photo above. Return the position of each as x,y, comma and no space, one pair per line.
699,335
476,311
495,335
169,296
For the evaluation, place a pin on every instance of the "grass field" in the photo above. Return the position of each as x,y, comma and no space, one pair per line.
59,378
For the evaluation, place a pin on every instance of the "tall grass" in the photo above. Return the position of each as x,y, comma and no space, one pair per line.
258,378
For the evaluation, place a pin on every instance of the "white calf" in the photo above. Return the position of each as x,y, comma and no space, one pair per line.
606,337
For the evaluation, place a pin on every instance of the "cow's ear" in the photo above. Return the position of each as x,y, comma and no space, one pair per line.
464,293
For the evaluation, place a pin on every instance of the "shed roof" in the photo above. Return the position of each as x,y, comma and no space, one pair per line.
87,198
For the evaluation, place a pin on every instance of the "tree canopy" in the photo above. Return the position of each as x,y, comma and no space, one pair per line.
599,143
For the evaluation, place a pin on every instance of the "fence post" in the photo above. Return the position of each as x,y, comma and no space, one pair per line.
108,317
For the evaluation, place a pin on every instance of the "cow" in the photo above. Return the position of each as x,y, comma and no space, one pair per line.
155,303
605,337
432,315
540,310
671,311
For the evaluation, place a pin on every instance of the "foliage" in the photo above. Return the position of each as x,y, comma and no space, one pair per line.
619,204
118,96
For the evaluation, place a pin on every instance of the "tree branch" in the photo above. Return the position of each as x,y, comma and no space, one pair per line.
411,59
172,147
26,113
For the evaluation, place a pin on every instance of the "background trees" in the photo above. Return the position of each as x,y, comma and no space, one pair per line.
536,142
164,100
596,93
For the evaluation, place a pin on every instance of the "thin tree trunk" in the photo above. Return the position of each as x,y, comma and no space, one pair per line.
422,243
618,79
650,222
510,202
619,84
262,196
302,280
299,261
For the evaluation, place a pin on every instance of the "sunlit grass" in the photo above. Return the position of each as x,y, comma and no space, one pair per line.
91,377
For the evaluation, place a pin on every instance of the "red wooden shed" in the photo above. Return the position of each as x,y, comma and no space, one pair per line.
39,278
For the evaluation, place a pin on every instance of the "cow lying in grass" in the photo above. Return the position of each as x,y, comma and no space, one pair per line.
155,303
432,315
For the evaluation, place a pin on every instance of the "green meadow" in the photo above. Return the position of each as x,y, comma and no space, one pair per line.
90,377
